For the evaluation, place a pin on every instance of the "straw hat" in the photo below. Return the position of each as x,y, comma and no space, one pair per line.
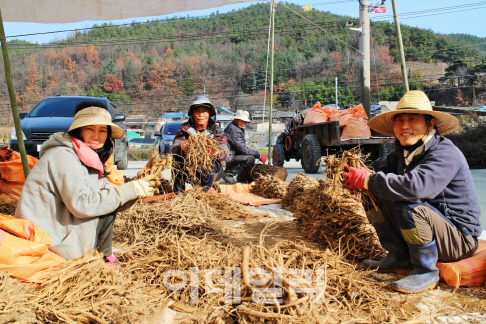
243,115
96,116
413,102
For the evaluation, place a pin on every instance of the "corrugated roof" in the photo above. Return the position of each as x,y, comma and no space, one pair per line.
132,135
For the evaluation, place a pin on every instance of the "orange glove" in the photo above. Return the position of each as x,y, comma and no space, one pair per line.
355,177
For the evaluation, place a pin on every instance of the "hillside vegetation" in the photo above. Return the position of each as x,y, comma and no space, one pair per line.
161,65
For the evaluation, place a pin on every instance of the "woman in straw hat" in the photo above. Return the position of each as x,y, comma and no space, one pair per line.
428,208
67,193
241,156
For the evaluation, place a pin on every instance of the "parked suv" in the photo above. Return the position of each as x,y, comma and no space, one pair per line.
55,114
168,133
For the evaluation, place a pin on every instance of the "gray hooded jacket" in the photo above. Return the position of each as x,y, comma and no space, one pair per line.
65,198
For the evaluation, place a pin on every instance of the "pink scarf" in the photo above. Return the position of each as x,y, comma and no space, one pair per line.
86,154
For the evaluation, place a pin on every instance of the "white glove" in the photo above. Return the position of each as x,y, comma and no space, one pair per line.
145,187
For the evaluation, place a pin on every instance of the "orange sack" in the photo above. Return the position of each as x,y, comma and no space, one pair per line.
470,272
356,127
12,176
24,250
319,114
343,116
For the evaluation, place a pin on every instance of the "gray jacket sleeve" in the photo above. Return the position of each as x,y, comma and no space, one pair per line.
71,182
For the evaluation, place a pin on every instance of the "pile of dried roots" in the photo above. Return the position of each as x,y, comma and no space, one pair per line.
14,302
85,290
8,208
295,189
328,212
288,281
194,211
200,156
269,187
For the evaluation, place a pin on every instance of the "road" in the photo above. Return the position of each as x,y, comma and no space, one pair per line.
294,168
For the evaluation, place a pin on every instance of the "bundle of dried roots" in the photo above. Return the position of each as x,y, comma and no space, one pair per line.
155,166
328,212
202,152
295,189
269,187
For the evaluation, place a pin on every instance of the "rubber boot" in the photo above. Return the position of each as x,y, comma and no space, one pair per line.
209,181
398,257
425,274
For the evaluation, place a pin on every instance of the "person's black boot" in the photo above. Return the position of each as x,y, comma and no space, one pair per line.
398,257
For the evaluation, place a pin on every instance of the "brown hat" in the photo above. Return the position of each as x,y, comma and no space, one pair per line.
96,116
413,102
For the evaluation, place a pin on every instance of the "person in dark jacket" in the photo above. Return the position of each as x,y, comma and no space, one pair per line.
428,208
240,156
201,120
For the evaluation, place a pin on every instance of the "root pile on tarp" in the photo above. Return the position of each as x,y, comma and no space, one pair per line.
295,189
155,166
269,187
193,211
200,156
328,212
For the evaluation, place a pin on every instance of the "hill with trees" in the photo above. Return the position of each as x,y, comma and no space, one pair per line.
152,67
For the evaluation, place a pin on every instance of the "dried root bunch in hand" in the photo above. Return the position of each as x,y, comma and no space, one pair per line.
154,167
201,153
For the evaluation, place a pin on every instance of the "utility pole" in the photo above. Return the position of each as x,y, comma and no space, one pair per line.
400,45
335,82
364,47
270,117
13,100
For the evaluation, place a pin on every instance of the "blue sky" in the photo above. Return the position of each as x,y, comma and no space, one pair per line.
442,16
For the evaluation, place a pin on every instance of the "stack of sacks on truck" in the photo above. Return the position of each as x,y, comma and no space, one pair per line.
318,114
353,122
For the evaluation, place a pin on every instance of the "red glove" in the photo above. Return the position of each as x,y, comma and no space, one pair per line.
355,177
5,153
263,158
184,146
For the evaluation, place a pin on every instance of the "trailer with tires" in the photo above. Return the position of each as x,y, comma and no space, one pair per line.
308,143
